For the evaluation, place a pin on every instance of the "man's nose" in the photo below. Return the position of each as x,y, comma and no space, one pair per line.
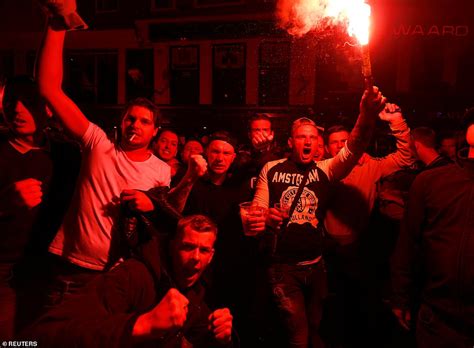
196,255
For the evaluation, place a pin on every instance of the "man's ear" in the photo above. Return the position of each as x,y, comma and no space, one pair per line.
155,132
212,255
233,157
290,142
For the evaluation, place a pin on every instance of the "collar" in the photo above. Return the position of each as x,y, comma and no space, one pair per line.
23,147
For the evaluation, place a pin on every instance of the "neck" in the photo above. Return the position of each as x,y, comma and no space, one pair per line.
217,179
138,155
428,156
471,152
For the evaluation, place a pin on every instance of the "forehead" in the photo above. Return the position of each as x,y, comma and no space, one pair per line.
169,135
448,141
193,144
191,236
341,135
259,124
220,145
305,129
140,112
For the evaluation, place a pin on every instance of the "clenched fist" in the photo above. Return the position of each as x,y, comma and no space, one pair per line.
169,315
197,167
26,193
220,323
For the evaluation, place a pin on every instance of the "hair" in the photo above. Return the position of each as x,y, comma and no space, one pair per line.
24,89
258,117
162,130
334,129
425,136
302,121
147,104
198,223
224,136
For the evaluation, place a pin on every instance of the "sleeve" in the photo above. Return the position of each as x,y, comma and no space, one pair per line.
262,195
338,167
99,316
405,258
93,137
402,157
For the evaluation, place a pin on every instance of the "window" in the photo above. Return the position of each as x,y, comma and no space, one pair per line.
228,75
273,74
140,74
338,71
184,81
91,77
102,6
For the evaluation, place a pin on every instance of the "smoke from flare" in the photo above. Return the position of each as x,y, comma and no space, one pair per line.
301,16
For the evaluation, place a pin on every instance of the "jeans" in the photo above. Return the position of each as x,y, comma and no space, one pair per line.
66,279
299,293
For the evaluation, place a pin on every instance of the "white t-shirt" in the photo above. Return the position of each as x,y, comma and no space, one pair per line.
88,236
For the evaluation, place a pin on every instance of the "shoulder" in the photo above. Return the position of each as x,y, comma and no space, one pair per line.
275,163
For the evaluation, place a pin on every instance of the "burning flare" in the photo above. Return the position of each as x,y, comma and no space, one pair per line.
301,16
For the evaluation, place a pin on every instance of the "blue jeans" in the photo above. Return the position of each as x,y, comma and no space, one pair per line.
299,293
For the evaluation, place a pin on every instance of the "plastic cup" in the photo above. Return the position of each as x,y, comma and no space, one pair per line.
284,210
248,209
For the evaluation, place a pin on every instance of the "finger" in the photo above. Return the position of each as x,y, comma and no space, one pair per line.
222,330
128,192
28,182
221,320
33,203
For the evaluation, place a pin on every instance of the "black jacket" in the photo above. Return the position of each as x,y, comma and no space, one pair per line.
104,313
436,245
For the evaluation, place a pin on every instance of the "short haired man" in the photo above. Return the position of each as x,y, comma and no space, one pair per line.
448,144
434,251
295,272
111,174
25,175
321,153
252,158
134,303
165,148
348,216
423,143
217,194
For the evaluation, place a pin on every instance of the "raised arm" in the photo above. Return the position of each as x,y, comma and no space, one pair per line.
49,74
403,156
340,166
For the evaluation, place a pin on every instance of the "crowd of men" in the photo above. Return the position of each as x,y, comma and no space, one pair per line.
123,242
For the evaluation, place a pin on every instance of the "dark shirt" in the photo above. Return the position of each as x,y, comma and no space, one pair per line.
436,243
104,313
16,223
